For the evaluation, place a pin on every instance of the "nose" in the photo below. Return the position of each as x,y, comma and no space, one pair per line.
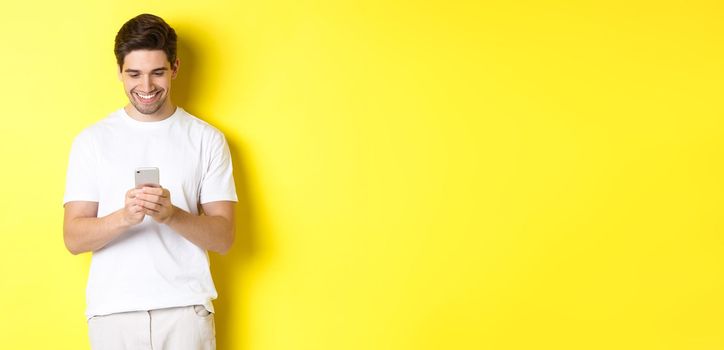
146,83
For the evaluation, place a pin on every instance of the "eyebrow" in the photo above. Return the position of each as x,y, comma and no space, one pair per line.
128,70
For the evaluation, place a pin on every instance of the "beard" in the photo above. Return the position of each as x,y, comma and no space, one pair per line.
150,108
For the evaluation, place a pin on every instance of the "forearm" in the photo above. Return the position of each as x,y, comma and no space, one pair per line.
214,233
90,234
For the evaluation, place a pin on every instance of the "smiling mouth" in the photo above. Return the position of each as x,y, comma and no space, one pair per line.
150,97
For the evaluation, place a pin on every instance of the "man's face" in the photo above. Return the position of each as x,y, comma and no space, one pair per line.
146,77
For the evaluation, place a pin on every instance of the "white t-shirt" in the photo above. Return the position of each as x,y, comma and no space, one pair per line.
150,266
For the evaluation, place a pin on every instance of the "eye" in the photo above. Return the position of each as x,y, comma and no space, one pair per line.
133,75
158,74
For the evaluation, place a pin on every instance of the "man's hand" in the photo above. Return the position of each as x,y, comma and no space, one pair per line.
132,212
155,202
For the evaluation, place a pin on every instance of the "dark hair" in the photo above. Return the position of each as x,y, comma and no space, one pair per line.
145,32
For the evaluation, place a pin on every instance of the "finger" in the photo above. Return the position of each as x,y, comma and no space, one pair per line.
153,190
144,203
151,212
163,193
149,198
132,193
136,208
135,211
151,205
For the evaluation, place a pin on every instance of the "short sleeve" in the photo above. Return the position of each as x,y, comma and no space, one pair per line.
217,183
81,182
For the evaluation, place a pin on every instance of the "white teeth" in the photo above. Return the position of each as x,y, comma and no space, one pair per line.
146,97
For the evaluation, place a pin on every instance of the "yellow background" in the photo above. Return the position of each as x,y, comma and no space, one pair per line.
412,174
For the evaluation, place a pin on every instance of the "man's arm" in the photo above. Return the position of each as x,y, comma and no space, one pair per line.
214,230
83,231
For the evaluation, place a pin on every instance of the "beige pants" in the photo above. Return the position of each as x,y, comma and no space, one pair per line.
188,327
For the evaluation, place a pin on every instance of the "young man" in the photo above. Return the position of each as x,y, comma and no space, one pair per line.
149,285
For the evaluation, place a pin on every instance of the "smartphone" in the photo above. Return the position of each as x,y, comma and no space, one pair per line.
147,177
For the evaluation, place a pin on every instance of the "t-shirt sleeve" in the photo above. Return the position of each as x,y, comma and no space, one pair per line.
81,183
218,180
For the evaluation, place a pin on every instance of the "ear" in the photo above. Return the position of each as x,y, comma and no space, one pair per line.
175,68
